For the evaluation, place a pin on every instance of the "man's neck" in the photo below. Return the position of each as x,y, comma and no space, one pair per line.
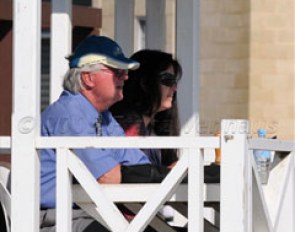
100,107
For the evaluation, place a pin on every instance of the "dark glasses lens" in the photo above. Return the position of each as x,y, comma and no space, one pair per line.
168,79
120,72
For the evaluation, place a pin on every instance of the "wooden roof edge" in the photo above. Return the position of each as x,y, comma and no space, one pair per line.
93,19
5,10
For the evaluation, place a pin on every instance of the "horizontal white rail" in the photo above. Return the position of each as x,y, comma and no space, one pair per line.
127,142
129,193
147,142
271,144
5,142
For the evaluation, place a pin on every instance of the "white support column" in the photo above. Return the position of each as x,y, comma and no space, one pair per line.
25,118
187,52
195,190
124,25
187,24
60,44
236,177
155,24
63,192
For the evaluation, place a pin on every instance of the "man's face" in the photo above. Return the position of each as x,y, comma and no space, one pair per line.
108,86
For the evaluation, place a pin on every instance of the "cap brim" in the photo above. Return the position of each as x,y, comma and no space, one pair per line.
122,63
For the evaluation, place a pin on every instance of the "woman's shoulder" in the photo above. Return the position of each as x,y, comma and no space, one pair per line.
130,121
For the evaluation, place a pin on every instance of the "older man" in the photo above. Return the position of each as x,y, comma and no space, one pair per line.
94,82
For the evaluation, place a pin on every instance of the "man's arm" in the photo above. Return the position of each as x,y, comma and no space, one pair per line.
145,173
111,177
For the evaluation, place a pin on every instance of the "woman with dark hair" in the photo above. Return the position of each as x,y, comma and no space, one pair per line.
149,106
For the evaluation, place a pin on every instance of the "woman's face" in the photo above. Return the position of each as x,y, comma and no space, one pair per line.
167,91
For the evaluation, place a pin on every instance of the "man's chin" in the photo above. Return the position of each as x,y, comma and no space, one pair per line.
118,98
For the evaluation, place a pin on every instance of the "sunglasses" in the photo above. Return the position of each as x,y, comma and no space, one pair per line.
168,79
119,73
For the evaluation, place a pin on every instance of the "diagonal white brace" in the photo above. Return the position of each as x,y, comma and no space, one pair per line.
108,210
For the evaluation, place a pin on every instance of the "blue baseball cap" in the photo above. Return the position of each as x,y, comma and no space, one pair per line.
100,49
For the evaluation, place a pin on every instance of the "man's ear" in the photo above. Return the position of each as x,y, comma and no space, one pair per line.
87,80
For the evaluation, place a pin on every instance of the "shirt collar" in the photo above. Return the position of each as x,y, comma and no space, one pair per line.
92,113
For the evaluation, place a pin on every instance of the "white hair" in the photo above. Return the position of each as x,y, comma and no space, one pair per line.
72,79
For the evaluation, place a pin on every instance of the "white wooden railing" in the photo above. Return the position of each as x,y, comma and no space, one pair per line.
190,162
245,205
274,203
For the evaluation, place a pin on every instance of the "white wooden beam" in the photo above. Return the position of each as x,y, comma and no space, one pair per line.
60,44
195,190
187,47
112,217
25,118
236,177
124,25
261,219
163,194
5,144
128,142
63,194
272,144
129,192
155,24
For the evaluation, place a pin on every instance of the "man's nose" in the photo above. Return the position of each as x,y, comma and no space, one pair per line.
125,76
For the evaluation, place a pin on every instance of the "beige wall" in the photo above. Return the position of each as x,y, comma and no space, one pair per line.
224,63
246,61
247,64
107,6
272,87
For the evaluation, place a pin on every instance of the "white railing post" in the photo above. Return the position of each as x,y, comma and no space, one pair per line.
236,177
63,192
195,190
25,118
60,44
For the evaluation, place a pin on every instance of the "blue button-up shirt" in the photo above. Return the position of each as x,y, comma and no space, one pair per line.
73,115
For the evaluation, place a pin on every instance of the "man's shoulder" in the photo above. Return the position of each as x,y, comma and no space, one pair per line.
65,105
66,117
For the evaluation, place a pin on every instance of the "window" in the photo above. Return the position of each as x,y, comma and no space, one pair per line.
140,32
45,68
